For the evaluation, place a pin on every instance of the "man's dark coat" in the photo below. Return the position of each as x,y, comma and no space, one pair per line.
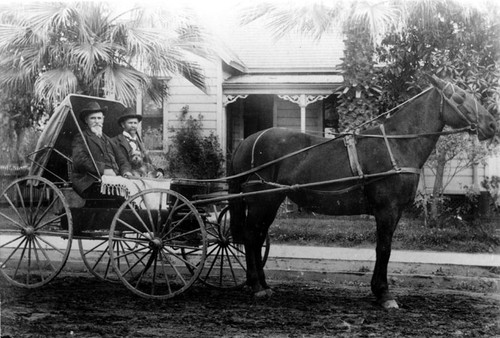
84,172
125,148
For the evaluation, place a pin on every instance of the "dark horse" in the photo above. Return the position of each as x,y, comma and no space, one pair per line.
378,176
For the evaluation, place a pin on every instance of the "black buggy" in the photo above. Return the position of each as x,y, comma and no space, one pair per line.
156,241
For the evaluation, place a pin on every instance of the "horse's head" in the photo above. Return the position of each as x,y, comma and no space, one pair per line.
463,110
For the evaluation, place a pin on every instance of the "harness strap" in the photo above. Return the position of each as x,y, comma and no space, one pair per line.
255,144
366,179
352,153
391,155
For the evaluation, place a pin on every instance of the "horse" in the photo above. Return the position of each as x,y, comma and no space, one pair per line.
374,172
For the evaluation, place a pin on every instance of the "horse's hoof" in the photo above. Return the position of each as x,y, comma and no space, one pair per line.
260,294
390,304
269,292
264,293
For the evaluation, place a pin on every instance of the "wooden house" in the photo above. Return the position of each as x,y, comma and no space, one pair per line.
260,82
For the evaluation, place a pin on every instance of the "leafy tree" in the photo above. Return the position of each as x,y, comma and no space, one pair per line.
192,154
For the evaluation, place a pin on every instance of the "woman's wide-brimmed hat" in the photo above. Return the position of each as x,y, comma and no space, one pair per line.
129,113
90,108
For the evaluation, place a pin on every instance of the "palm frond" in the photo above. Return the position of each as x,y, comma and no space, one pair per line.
313,19
55,84
124,82
376,17
88,55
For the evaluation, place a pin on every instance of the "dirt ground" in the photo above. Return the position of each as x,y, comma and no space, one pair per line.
77,305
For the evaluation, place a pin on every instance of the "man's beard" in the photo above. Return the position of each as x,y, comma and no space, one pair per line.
96,129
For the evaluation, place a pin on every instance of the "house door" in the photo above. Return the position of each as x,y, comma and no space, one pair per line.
248,116
257,113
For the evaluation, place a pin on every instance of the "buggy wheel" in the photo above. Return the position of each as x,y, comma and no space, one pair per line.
165,224
225,266
36,229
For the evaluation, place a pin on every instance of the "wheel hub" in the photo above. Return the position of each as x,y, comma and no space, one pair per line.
29,231
156,243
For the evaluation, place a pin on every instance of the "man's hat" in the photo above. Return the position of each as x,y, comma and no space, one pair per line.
129,113
90,108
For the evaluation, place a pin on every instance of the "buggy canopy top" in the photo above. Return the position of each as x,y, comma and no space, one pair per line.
52,156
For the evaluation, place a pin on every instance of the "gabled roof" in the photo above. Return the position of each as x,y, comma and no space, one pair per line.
260,52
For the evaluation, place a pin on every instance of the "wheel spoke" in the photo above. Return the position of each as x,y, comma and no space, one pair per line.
36,225
133,265
179,257
21,198
165,272
14,208
39,263
210,268
35,214
176,270
45,254
236,256
132,228
11,241
231,268
14,251
51,245
20,259
34,249
150,217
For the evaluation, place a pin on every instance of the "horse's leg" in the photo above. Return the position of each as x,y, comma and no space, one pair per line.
387,219
262,232
260,216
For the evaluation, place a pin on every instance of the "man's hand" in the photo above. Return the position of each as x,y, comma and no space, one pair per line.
109,172
127,174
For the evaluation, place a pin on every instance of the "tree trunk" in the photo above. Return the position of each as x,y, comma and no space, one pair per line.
437,190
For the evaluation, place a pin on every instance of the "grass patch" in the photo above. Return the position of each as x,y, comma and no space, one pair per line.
360,231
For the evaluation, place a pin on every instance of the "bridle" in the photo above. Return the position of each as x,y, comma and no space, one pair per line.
472,125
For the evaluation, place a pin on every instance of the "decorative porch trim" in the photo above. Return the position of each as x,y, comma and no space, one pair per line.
227,99
303,100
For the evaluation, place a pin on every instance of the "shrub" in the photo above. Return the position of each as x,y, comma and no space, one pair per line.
192,154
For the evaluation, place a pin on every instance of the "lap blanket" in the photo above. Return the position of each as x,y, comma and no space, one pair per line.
125,187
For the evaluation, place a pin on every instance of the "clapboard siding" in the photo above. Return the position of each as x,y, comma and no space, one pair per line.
455,183
182,93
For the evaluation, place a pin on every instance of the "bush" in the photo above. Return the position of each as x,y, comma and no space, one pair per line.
192,154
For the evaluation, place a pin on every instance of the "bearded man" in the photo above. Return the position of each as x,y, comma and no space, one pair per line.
104,157
131,146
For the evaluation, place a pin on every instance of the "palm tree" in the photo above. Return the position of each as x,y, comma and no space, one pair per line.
53,49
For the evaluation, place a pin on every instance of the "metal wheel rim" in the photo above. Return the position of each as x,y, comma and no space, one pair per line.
154,251
32,239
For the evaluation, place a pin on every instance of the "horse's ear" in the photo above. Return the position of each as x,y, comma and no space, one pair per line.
435,81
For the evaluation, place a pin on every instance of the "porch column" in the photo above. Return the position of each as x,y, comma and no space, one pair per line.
303,101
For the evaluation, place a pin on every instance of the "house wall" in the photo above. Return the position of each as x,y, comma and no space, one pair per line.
182,93
467,178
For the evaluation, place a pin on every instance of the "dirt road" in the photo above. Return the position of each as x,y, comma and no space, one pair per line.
77,305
